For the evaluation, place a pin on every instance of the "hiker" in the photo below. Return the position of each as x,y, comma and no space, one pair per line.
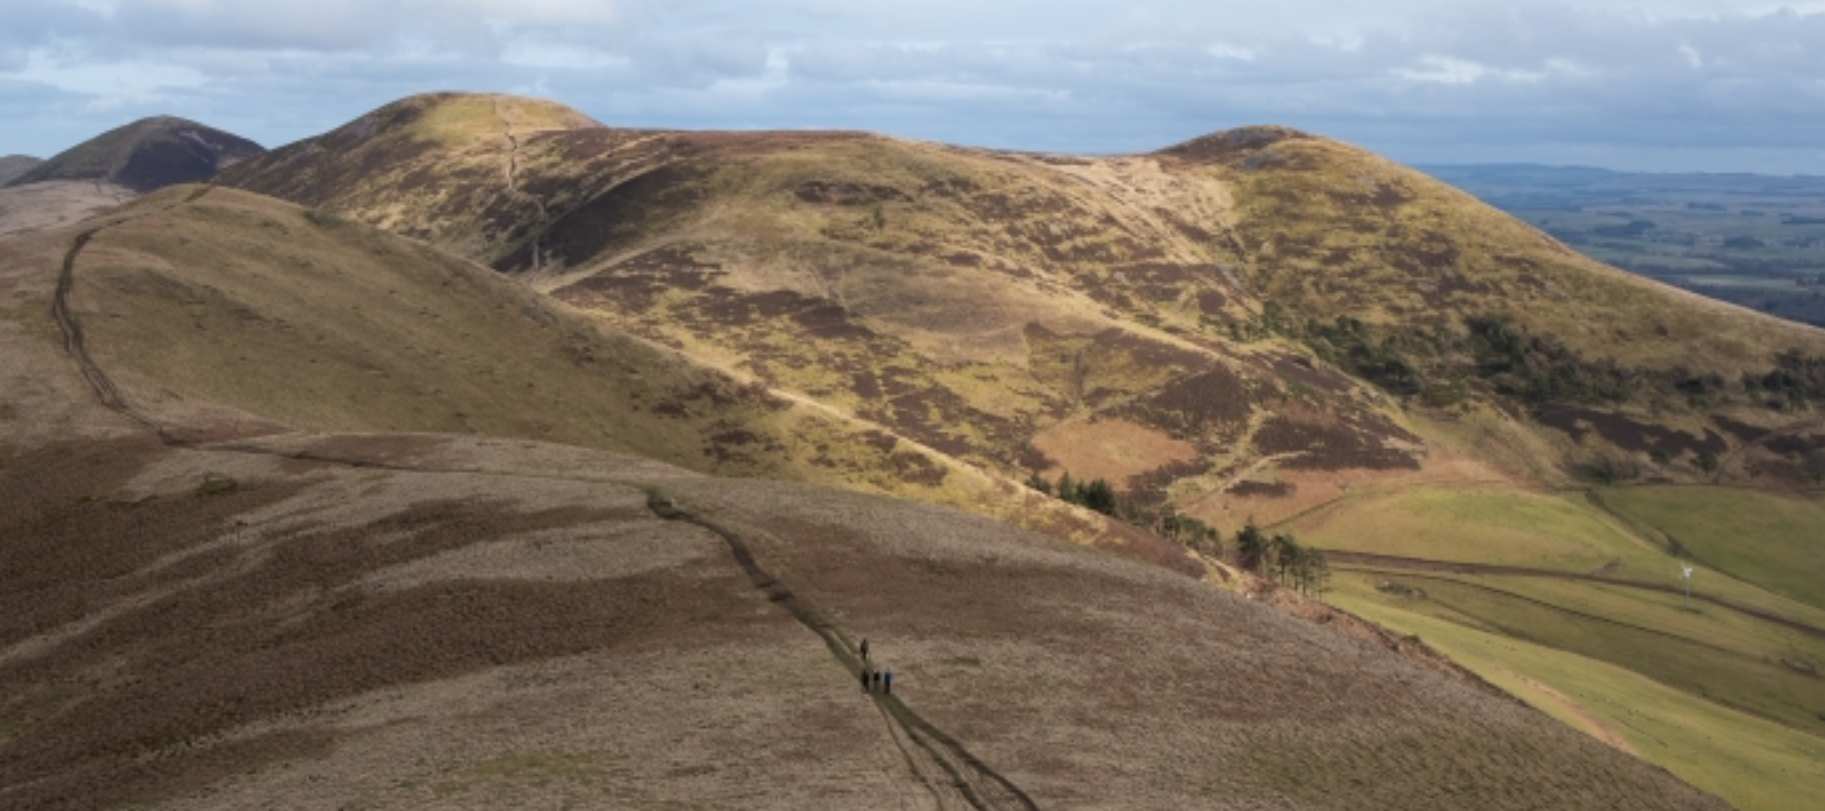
877,678
887,682
865,678
864,649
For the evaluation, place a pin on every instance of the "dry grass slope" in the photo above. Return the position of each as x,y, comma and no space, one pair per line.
258,633
54,203
219,314
455,170
1332,230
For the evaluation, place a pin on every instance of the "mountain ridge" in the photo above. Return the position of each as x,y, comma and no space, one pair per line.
280,587
145,155
12,166
829,248
1258,327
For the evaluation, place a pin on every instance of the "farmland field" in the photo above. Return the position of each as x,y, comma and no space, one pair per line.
1751,762
1572,601
1775,541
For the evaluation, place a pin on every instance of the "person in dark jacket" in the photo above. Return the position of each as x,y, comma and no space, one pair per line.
864,649
887,682
865,679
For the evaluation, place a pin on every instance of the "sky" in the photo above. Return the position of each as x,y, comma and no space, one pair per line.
1672,85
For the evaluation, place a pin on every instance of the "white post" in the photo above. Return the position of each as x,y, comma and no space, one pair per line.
1686,571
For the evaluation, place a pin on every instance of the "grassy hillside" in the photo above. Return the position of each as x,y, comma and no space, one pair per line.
1754,240
54,203
450,169
1329,230
1445,302
1500,578
1750,762
219,314
996,308
1009,308
1774,540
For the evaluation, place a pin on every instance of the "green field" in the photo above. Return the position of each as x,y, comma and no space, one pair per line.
1735,701
1756,765
1775,541
1563,532
1482,524
1672,650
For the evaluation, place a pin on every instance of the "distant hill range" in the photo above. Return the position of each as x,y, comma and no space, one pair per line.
1510,186
148,154
13,166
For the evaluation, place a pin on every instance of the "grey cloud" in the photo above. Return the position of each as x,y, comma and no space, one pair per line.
320,25
58,119
1415,77
697,61
32,22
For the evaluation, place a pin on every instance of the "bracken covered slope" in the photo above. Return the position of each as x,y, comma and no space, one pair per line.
1115,317
447,168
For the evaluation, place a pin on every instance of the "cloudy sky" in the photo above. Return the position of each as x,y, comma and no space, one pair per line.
1669,85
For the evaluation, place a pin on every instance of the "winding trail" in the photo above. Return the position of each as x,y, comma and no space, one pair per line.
1222,487
939,761
1585,718
981,787
512,171
74,343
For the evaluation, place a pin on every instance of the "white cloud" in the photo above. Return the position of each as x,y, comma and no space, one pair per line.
547,54
132,78
1444,70
1404,76
1224,50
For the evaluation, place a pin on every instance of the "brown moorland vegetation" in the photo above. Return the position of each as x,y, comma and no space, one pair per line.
973,301
219,314
466,632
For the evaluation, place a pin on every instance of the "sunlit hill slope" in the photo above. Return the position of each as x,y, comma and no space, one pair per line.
277,526
1257,324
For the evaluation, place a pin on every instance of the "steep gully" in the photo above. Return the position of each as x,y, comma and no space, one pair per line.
512,171
940,762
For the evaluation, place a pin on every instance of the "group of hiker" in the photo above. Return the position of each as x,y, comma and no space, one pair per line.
874,681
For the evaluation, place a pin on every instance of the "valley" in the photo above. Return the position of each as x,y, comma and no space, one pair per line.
476,452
